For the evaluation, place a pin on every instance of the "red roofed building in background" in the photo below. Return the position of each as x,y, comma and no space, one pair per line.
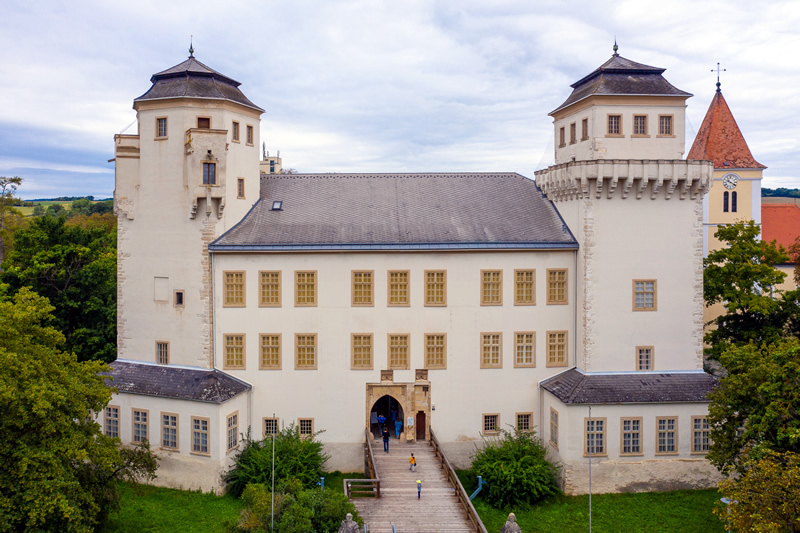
781,222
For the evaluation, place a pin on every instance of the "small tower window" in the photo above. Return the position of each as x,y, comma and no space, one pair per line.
179,299
203,123
573,135
725,202
249,134
272,166
209,173
584,129
562,137
235,132
240,188
665,125
640,124
614,124
733,202
161,127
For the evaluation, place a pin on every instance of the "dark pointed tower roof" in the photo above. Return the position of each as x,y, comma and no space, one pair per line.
192,79
721,140
621,76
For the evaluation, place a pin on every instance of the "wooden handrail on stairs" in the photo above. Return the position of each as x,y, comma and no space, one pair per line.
365,487
463,498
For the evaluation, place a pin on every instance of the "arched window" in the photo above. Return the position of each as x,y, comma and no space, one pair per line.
725,202
733,202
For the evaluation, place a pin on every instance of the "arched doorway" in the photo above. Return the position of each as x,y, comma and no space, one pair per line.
389,407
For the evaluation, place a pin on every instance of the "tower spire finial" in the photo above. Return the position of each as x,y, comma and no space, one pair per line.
615,46
191,46
717,70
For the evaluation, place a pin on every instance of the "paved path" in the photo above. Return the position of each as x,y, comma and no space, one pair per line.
438,511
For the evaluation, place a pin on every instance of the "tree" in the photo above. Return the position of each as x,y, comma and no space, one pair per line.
742,275
516,469
794,254
74,266
756,405
10,218
59,471
765,497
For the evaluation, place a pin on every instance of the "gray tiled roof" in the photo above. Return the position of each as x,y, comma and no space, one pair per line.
621,76
181,383
192,79
575,387
399,212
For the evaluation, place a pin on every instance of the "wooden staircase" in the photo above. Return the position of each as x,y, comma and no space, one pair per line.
439,510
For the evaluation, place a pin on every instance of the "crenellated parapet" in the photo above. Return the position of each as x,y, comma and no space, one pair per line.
626,177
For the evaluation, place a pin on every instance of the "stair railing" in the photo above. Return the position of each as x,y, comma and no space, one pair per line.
365,487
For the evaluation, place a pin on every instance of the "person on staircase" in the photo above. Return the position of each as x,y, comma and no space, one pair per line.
412,463
386,439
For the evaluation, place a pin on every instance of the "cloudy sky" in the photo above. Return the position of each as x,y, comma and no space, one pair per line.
383,86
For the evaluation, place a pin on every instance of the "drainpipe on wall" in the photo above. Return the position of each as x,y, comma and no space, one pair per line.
575,313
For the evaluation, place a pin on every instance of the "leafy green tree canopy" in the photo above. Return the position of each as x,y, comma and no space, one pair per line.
10,218
742,275
59,471
74,266
757,405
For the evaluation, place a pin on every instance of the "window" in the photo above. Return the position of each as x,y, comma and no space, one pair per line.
631,436
162,353
398,352
398,288
435,288
272,166
306,427
725,196
524,422
361,350
200,435
614,126
554,428
584,129
644,358
733,202
362,288
701,431
667,437
524,287
305,346
562,141
140,422
435,350
270,426
640,125
234,351
270,352
305,293
491,287
556,286
169,431
234,289
111,421
595,442
491,424
644,295
249,134
240,187
233,431
235,132
179,298
269,288
161,128
491,350
524,349
556,348
665,125
203,123
573,134
209,173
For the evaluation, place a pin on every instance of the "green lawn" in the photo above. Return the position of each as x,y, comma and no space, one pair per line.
680,511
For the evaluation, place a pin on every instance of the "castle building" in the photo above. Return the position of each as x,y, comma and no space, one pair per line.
459,303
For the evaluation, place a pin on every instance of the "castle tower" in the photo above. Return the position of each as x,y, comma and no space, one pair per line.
189,174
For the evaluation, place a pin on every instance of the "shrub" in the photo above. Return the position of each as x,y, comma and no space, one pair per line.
296,457
516,469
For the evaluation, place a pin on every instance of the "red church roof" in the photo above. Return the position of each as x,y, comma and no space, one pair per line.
780,222
721,140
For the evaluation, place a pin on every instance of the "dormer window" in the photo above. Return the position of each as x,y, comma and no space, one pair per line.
209,173
203,123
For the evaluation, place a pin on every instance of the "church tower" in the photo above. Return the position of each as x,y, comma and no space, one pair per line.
189,174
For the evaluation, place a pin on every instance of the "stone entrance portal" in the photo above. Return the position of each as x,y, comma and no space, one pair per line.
407,402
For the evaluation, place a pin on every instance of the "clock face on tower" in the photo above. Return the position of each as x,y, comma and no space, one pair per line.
730,180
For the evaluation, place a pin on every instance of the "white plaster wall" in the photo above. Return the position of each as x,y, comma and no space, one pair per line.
184,469
335,396
157,237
